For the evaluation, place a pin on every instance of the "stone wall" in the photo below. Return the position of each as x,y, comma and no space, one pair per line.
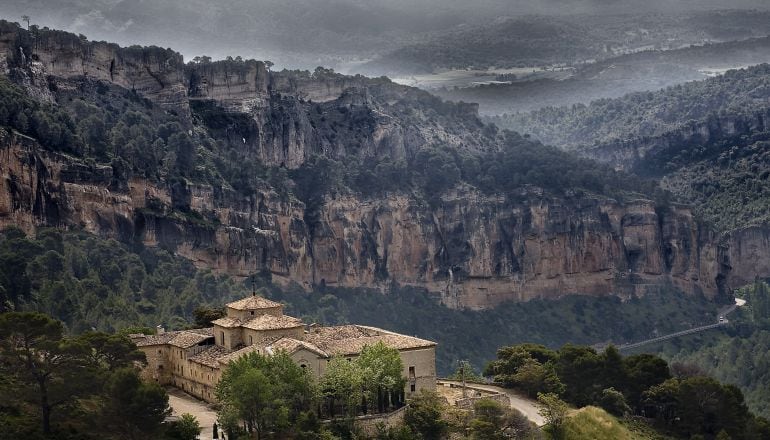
475,396
369,424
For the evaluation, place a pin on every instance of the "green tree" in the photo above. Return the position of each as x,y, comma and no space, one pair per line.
186,428
554,411
343,384
205,315
134,408
266,393
614,402
111,351
382,371
47,369
424,415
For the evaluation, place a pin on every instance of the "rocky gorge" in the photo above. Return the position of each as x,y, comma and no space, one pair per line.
476,250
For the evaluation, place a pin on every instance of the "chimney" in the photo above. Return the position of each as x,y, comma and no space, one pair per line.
159,330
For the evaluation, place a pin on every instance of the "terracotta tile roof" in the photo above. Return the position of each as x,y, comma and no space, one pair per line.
253,303
351,339
147,340
291,345
227,322
187,339
229,357
270,322
181,338
209,356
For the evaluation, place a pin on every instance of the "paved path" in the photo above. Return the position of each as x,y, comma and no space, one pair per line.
524,404
181,403
722,320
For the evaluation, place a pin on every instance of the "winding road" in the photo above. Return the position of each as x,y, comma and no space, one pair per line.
523,404
721,321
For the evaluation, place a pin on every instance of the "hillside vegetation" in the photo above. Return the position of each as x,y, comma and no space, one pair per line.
592,423
740,356
645,114
706,141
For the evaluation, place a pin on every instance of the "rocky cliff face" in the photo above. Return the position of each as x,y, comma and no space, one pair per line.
288,116
475,250
650,154
153,72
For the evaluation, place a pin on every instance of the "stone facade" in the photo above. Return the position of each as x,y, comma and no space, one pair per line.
193,360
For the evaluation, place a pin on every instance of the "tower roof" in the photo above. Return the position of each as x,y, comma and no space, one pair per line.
253,303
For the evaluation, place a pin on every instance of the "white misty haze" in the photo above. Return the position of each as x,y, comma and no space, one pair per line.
304,33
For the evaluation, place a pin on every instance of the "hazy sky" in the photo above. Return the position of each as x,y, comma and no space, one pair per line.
302,32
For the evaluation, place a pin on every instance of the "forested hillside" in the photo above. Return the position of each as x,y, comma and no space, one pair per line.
706,141
92,283
534,41
738,356
324,179
646,114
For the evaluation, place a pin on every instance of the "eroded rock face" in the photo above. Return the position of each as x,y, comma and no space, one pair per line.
475,250
648,155
153,72
283,117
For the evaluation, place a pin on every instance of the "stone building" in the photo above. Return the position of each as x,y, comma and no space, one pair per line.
193,360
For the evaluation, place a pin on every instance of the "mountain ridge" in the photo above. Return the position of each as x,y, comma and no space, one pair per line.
475,249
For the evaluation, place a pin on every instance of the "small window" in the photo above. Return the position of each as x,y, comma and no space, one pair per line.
411,371
303,366
413,387
252,313
251,340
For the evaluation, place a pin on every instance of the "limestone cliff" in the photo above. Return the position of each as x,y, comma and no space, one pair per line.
475,250
288,115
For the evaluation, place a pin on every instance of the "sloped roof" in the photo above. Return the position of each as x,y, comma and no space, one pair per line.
227,358
180,338
351,339
253,303
209,356
227,322
291,345
187,339
270,322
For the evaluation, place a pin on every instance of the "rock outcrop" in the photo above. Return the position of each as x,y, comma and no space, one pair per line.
649,154
287,116
475,250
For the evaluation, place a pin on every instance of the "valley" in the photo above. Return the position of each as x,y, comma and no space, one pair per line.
522,193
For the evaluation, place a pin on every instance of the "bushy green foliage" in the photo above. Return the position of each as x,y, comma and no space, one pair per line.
267,393
726,182
739,356
55,386
437,169
186,428
372,382
424,415
89,282
581,375
644,114
49,124
638,384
